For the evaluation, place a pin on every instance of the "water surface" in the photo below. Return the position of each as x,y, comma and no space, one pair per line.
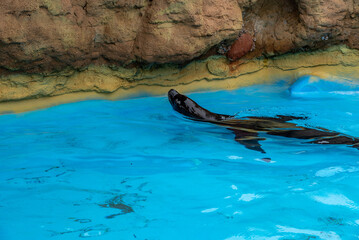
135,169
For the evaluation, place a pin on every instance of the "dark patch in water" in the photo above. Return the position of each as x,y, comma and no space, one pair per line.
33,180
267,160
117,203
93,231
332,221
85,220
51,168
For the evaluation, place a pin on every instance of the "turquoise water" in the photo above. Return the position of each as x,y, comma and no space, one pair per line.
135,169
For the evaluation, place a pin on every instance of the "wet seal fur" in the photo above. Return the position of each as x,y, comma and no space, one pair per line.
246,129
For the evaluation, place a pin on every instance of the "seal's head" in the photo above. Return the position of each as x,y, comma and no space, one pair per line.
171,96
182,104
191,109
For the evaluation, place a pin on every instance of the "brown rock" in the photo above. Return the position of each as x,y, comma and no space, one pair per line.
240,47
48,35
51,35
300,25
273,25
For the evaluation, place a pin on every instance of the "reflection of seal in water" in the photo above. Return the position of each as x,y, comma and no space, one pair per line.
246,129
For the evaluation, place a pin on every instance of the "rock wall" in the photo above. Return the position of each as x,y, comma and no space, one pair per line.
213,73
281,26
50,35
56,47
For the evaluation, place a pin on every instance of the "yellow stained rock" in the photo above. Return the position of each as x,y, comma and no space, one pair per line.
27,92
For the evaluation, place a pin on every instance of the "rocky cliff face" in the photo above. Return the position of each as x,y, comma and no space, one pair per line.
49,35
283,26
56,44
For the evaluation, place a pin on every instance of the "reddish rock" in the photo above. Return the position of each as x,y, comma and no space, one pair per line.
240,47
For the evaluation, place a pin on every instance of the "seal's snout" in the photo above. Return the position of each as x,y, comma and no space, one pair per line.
171,94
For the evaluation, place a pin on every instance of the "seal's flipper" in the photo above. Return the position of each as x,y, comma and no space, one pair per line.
304,133
339,139
280,118
248,139
287,118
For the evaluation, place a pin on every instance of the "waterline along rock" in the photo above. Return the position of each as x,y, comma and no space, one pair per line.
51,48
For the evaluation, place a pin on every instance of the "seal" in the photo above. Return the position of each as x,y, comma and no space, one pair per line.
191,109
247,129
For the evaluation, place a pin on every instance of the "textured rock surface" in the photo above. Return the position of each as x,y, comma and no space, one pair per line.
212,73
47,35
56,47
281,26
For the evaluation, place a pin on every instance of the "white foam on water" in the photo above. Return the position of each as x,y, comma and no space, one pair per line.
357,222
255,237
249,197
331,171
235,238
345,92
92,233
234,187
237,213
353,169
336,200
233,157
321,234
209,210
